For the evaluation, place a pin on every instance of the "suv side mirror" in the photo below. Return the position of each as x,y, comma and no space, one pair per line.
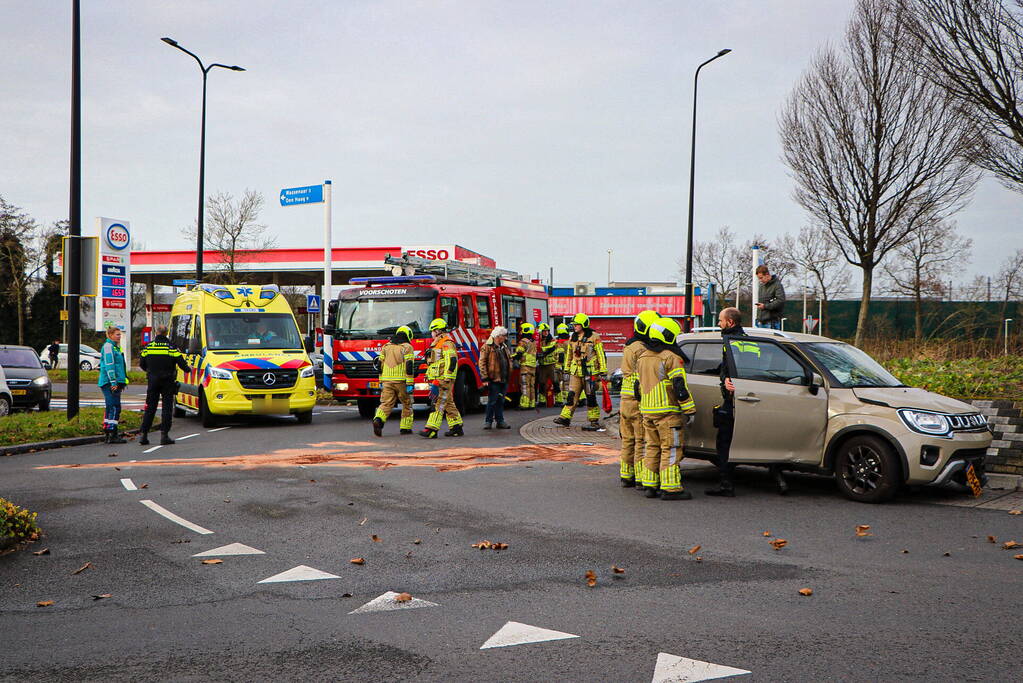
816,382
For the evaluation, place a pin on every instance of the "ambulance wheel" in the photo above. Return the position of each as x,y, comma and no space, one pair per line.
178,411
368,407
305,418
208,418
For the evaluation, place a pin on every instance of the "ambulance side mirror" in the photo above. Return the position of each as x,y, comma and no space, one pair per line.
308,343
193,346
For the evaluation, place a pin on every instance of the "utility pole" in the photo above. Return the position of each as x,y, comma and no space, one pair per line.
73,267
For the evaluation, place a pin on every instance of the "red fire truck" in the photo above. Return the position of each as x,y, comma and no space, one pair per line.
472,299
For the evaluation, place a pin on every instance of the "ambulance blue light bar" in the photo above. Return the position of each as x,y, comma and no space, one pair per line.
396,280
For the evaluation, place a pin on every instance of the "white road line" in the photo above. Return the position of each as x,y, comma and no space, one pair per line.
164,512
182,438
129,485
150,450
218,429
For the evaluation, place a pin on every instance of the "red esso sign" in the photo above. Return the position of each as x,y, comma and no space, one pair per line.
117,236
430,254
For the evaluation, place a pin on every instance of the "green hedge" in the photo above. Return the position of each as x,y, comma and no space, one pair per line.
969,378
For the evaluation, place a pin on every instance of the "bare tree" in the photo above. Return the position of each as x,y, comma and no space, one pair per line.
919,266
815,252
18,251
1010,279
232,228
973,50
876,151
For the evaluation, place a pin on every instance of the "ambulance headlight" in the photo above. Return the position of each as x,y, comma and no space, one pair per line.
421,386
308,372
219,373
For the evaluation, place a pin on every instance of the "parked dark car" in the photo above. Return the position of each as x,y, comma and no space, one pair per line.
26,377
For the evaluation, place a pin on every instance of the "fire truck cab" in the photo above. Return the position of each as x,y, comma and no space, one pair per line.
472,299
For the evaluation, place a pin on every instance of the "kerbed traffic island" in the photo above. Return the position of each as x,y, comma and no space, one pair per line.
36,431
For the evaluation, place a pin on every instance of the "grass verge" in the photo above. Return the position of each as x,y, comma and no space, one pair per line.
92,376
33,427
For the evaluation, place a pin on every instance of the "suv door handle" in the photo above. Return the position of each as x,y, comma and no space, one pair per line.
749,399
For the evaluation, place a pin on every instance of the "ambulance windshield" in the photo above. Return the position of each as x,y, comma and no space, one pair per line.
380,318
252,331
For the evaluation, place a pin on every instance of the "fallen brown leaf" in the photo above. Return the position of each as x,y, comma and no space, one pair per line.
1016,512
102,597
861,534
862,527
375,538
44,603
699,559
1009,545
779,543
806,591
947,555
591,578
1018,557
992,539
117,469
767,533
417,541
44,551
695,549
213,561
346,595
111,455
312,481
500,546
403,597
617,570
144,486
87,565
357,560
905,552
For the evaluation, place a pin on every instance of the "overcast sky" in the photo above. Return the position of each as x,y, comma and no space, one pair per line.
542,133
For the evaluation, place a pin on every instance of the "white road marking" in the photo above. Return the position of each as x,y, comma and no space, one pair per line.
231,549
672,669
514,633
386,603
150,450
300,573
333,411
164,512
129,485
182,438
218,429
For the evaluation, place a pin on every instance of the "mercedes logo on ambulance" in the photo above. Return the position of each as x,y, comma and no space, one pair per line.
269,378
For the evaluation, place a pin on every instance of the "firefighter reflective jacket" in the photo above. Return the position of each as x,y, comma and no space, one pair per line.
586,354
630,376
525,352
562,354
159,359
662,382
442,359
548,350
397,362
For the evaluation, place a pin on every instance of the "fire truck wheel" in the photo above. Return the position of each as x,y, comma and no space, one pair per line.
467,397
368,407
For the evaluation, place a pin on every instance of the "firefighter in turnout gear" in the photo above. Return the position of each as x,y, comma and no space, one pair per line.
396,364
525,356
586,366
561,366
666,405
441,370
160,360
630,424
548,359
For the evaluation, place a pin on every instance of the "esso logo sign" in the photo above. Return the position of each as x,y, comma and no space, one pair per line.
118,237
430,254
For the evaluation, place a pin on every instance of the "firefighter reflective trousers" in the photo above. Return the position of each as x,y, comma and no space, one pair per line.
390,394
527,383
630,426
661,466
545,379
444,406
577,388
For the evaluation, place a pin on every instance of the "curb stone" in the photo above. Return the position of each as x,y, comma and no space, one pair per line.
19,449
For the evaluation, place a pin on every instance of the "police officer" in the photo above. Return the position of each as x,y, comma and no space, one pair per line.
630,424
547,359
441,370
586,365
666,405
159,360
396,364
525,356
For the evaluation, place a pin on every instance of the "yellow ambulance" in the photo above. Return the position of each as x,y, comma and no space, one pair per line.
245,353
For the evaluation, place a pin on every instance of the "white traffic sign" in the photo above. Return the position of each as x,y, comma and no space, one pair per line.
809,323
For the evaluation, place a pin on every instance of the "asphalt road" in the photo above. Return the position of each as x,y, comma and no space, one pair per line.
890,606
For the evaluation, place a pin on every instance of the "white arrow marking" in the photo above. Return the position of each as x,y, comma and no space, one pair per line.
129,485
164,512
514,633
300,573
674,669
231,549
386,603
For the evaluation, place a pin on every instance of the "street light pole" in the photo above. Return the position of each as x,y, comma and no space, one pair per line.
692,177
202,153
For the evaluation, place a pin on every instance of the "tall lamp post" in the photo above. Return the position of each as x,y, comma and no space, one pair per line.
202,152
692,177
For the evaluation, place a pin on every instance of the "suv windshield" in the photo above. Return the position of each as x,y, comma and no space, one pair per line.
849,366
19,358
375,318
252,331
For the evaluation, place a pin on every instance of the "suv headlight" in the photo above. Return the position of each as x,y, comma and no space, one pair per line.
308,371
935,424
219,373
41,381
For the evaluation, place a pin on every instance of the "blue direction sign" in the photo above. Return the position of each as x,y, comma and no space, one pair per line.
183,282
311,194
312,303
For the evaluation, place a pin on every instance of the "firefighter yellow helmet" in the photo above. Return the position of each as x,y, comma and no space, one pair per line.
527,328
643,321
562,328
404,331
581,319
665,330
438,324
543,327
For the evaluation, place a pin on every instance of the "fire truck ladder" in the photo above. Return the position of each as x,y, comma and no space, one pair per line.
454,272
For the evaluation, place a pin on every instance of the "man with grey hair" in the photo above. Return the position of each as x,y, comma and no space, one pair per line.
495,368
160,359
